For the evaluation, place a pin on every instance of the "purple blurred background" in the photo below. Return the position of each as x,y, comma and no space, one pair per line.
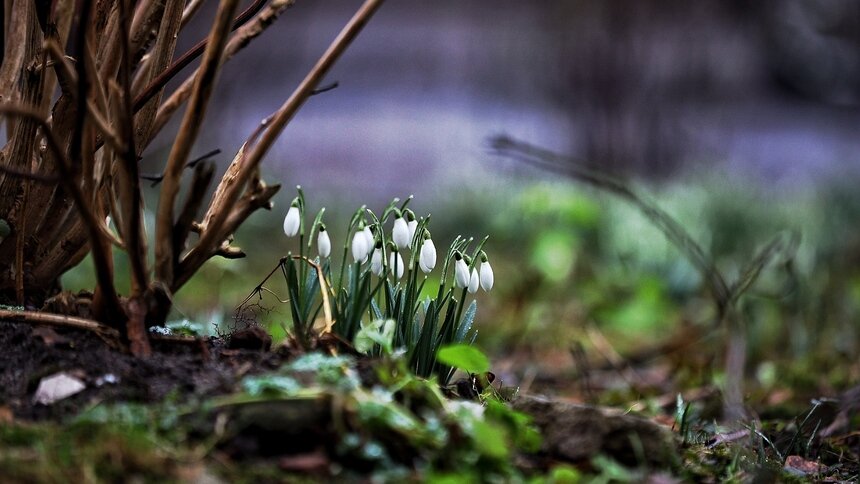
764,89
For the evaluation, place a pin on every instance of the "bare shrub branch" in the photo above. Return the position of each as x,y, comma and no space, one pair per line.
245,166
165,259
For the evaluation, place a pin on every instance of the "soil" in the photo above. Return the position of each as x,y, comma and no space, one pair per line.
301,435
204,368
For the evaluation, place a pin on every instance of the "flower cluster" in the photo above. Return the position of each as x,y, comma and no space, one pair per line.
383,250
377,301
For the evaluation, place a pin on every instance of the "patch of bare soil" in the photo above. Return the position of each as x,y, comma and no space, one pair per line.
28,354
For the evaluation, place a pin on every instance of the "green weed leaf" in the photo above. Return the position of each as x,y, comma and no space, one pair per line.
464,357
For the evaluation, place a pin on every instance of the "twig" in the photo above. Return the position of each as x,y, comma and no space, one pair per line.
144,25
20,237
84,18
324,290
156,63
130,186
330,87
244,35
203,175
57,320
69,84
165,259
258,196
301,94
329,323
156,179
190,10
245,166
159,82
46,178
676,233
65,75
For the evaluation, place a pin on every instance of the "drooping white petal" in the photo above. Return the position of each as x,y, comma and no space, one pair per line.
474,282
461,274
395,263
400,233
412,225
368,237
323,243
427,259
292,221
376,261
487,277
359,247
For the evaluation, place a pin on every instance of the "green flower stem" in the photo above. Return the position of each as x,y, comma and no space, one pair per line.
460,304
349,233
448,255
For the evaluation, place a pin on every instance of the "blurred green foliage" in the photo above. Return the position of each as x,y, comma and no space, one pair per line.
567,256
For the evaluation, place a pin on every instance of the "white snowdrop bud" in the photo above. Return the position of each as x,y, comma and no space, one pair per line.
427,258
461,271
395,263
323,243
292,220
359,247
400,233
474,282
486,275
376,261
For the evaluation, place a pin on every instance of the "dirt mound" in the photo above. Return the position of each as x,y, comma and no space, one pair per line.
203,368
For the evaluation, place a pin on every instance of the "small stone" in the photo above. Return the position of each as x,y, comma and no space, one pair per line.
576,432
57,387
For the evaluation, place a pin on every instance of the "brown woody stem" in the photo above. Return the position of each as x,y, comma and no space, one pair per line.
165,259
246,163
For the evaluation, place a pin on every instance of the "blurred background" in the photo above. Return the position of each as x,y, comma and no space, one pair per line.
738,118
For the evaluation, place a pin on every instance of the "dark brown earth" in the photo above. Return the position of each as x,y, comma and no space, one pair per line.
187,370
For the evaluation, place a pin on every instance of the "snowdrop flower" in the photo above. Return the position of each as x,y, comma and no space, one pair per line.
376,260
474,281
396,264
293,219
427,258
461,271
359,247
368,236
486,273
400,233
411,224
323,242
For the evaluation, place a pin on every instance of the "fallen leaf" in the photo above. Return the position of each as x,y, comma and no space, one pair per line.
57,387
316,461
798,465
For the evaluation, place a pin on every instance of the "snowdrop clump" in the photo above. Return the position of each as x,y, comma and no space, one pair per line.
370,242
387,260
